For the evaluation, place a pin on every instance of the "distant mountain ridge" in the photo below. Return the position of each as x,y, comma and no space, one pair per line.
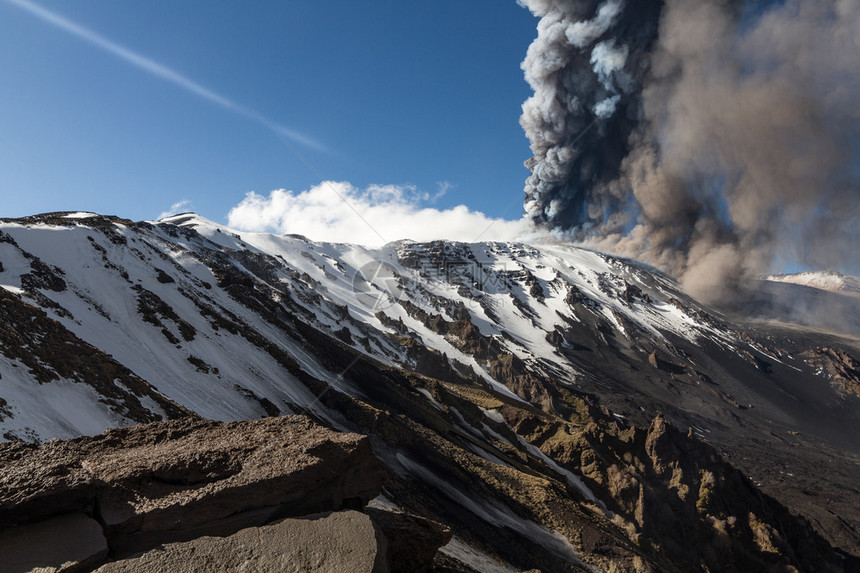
825,280
525,395
826,301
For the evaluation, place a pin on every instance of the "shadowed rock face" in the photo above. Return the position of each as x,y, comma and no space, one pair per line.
412,541
682,500
68,542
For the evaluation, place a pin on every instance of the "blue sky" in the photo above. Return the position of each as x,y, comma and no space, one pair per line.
424,96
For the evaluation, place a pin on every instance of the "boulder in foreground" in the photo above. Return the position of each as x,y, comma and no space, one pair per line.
323,543
179,480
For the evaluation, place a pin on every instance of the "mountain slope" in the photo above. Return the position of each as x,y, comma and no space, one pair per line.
821,301
502,384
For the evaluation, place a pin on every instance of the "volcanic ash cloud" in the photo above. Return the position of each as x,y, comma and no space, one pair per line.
712,138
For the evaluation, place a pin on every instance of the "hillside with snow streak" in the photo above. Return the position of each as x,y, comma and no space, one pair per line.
487,361
156,298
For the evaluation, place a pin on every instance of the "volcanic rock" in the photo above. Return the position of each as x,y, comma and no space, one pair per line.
324,543
841,369
182,479
412,540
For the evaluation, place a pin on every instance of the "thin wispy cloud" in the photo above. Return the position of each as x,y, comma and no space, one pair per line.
156,69
178,207
299,137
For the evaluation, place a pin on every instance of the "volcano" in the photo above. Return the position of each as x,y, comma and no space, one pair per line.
555,407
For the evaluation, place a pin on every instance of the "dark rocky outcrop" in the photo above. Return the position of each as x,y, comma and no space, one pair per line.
659,363
841,369
681,502
412,541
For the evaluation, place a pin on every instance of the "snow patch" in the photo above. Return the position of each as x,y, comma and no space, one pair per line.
80,215
475,558
494,415
426,393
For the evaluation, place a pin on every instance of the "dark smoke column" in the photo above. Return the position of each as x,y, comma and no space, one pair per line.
715,139
587,68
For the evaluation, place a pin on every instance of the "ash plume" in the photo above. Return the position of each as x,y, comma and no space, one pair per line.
715,139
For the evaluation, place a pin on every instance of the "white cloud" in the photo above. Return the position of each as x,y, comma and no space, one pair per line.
338,212
442,187
178,207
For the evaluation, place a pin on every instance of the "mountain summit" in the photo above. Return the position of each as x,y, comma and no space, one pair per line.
555,407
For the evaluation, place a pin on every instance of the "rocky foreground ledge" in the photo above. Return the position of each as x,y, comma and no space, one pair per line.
276,494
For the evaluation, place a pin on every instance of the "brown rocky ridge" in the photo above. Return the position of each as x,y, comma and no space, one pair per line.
191,493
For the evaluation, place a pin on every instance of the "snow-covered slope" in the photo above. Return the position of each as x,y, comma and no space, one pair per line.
484,361
157,298
144,301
